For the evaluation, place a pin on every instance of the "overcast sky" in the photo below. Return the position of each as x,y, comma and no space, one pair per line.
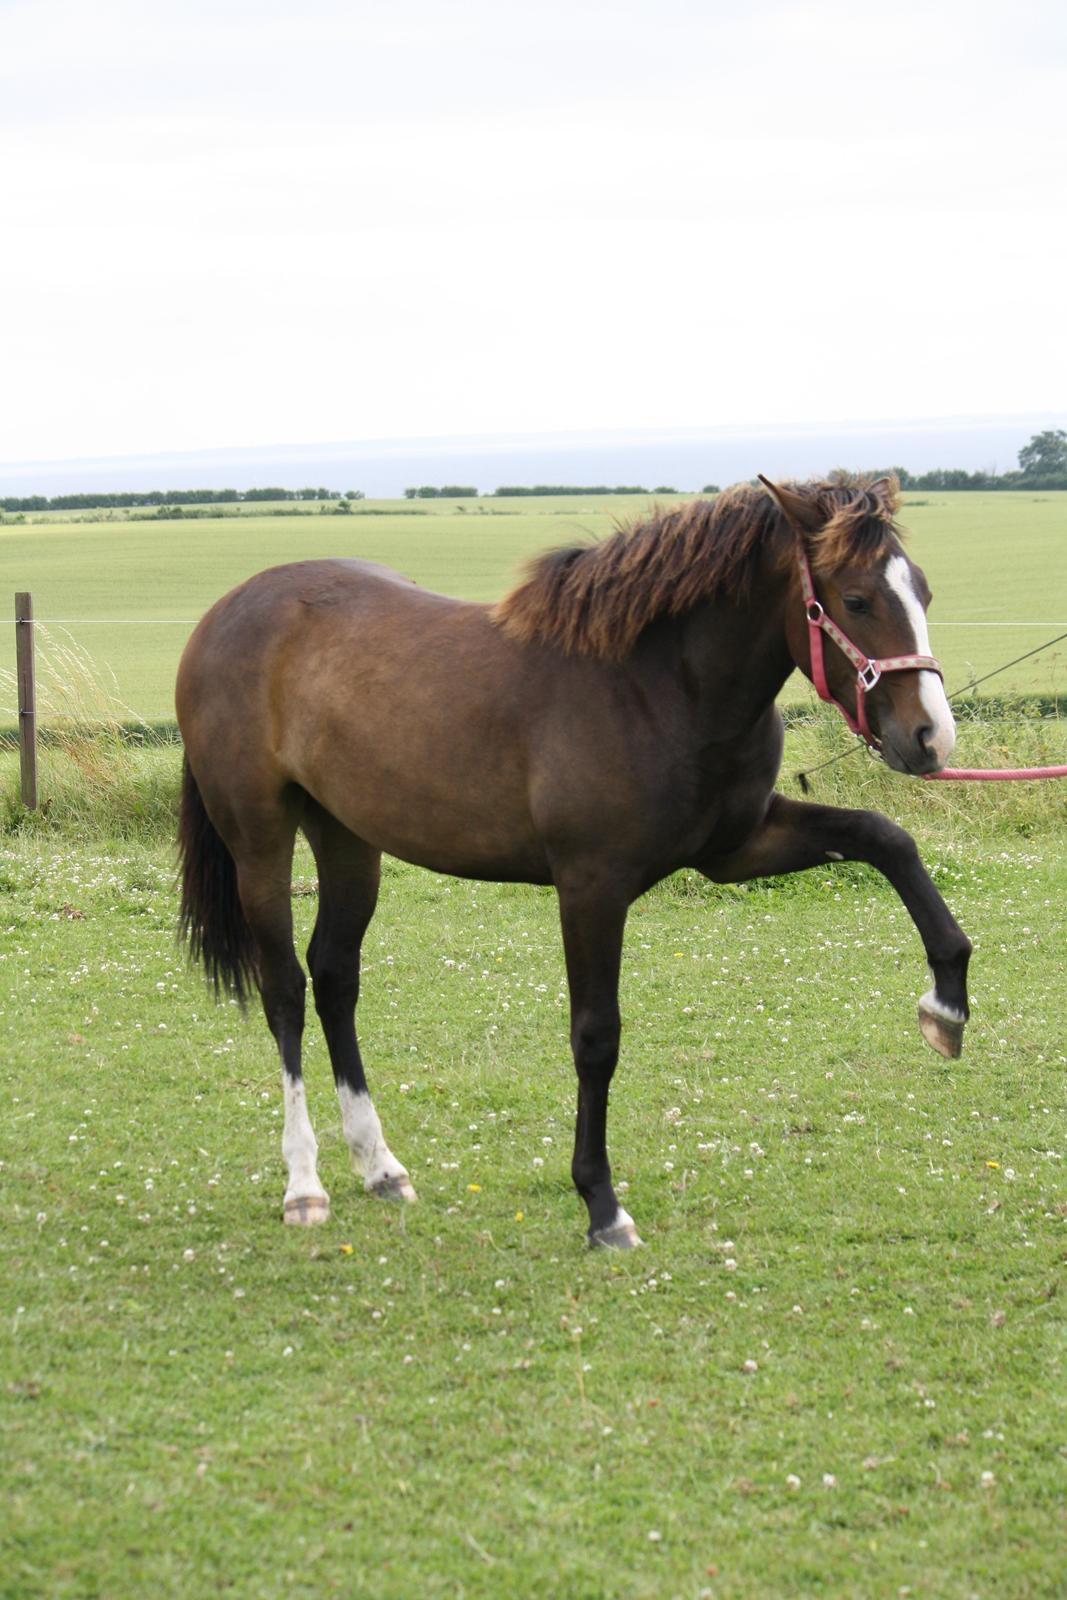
234,223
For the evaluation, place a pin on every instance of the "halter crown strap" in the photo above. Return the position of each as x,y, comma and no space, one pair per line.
869,669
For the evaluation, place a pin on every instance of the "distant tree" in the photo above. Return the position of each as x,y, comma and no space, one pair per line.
1046,453
409,494
354,494
711,488
664,488
343,507
457,491
426,491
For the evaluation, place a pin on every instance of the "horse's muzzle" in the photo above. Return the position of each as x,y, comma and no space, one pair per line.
913,752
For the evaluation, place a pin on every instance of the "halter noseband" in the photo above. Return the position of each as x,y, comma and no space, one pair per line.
868,669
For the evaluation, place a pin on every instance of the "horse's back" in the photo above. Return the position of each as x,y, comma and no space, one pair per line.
284,611
401,711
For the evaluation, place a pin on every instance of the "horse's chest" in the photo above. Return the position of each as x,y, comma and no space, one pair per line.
731,793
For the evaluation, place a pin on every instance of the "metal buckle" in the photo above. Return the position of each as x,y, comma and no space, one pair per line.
869,675
814,611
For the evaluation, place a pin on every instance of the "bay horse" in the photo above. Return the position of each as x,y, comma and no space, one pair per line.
610,721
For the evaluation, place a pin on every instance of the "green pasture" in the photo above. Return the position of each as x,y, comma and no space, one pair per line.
123,594
837,1368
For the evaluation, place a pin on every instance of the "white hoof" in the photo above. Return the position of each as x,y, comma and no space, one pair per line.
303,1211
394,1186
620,1234
941,1027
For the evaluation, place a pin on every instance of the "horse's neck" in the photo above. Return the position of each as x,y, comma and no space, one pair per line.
734,656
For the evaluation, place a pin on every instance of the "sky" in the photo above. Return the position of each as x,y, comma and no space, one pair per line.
239,224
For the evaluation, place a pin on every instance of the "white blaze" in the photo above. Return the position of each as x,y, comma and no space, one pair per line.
931,689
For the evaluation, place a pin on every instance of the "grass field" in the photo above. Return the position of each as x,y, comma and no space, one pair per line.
137,586
837,1368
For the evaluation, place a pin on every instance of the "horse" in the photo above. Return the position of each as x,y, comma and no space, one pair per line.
608,722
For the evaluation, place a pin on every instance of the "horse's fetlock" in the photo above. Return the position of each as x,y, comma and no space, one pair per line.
589,1175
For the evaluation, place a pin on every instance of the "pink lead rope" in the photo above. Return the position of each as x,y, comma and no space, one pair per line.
1000,774
868,672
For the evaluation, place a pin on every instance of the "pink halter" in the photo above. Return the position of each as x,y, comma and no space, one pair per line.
868,670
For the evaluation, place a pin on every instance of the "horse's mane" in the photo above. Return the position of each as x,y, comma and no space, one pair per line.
596,599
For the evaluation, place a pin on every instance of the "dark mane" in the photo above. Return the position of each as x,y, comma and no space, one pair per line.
597,599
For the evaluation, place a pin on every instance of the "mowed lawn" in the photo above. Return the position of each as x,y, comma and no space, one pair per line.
126,593
838,1367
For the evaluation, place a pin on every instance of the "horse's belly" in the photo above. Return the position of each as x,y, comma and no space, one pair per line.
435,807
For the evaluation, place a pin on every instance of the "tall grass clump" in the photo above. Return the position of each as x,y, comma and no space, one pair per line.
988,734
102,770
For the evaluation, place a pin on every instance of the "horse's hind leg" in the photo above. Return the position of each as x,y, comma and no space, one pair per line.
349,872
264,874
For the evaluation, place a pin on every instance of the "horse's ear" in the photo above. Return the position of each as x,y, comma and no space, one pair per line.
800,513
886,492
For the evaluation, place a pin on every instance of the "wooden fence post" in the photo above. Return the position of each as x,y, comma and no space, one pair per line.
27,698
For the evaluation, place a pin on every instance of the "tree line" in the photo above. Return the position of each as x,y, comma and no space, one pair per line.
126,499
1042,465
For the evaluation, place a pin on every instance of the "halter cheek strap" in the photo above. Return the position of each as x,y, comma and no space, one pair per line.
868,669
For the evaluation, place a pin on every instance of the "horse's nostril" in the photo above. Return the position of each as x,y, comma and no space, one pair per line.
923,737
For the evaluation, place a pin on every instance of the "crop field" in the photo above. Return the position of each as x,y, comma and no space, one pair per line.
837,1368
125,593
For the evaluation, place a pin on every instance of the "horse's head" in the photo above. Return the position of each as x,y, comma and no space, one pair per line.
856,618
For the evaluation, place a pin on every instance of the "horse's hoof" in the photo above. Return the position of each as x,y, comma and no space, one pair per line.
304,1210
618,1235
942,1033
395,1186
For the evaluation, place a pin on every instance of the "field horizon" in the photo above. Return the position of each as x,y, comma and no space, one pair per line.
123,593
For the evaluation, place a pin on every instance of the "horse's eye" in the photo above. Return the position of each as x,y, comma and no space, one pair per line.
855,604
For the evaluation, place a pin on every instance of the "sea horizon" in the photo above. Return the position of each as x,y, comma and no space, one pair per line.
683,458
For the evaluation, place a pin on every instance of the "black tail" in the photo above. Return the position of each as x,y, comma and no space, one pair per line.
211,921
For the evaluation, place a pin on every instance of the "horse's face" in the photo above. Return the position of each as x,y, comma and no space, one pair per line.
882,609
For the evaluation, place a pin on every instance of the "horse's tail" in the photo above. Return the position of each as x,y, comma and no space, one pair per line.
211,922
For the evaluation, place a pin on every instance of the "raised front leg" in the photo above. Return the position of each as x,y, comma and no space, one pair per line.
593,919
796,835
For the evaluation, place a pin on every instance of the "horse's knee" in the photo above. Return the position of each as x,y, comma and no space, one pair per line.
883,837
595,1043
